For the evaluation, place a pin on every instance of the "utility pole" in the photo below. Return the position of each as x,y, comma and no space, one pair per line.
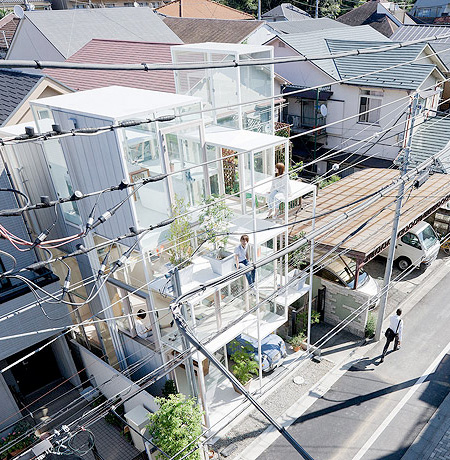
259,10
317,9
401,188
175,278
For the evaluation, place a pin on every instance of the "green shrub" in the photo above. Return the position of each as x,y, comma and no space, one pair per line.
370,326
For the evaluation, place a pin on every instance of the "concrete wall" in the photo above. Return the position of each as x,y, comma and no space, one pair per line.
341,302
112,382
65,361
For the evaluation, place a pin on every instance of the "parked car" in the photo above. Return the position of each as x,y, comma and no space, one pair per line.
273,350
342,271
418,247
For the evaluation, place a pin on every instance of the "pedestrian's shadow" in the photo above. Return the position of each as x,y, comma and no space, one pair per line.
363,364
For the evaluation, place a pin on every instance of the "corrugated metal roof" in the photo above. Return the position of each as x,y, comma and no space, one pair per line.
300,27
431,137
201,9
406,33
365,243
408,76
200,30
69,30
286,11
14,87
314,43
118,52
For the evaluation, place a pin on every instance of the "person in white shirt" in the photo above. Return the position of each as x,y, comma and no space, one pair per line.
141,330
394,332
241,257
278,191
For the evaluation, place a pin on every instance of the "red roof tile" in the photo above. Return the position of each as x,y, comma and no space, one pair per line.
201,9
118,52
8,25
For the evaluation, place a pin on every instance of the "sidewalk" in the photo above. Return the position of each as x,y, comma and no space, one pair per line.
433,442
250,434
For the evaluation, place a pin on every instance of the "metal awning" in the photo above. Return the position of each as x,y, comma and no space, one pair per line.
372,239
324,94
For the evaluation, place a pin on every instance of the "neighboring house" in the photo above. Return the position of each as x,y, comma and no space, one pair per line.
429,10
118,52
8,26
244,129
54,362
206,9
80,4
18,88
201,30
56,35
28,5
285,12
385,17
337,101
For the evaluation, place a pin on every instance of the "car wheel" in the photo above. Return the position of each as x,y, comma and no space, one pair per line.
403,263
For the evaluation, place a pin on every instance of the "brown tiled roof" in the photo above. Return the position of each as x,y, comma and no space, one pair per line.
8,25
118,52
200,30
201,9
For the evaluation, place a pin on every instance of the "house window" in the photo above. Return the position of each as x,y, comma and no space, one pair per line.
369,106
424,12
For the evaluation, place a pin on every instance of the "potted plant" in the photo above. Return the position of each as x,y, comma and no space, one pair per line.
214,223
180,238
297,341
176,427
244,365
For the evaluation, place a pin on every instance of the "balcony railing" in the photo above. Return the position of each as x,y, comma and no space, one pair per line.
303,123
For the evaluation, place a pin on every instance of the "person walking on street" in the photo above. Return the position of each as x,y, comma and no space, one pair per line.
393,332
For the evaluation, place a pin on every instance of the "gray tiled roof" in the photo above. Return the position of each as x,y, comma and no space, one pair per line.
14,87
299,27
287,11
430,138
201,30
408,76
314,43
69,30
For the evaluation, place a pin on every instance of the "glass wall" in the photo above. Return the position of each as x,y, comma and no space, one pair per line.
61,179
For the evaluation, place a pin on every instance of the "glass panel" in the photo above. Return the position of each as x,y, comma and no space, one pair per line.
109,347
61,179
120,307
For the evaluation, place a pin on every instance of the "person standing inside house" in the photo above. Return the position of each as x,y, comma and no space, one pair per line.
394,332
241,256
277,192
142,331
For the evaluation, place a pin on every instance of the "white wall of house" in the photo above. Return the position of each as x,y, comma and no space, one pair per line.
65,361
8,407
30,43
345,103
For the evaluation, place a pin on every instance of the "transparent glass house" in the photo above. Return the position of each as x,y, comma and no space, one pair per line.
219,143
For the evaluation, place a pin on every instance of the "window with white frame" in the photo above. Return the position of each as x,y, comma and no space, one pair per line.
369,106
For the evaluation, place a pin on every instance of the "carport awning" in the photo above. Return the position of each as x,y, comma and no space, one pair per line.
372,239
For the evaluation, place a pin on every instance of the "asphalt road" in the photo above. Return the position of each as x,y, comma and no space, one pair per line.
375,411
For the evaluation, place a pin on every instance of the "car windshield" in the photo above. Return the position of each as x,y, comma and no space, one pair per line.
345,269
428,237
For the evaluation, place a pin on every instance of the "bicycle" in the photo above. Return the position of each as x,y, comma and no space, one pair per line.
445,246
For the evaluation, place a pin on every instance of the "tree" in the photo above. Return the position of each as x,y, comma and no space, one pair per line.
3,12
176,425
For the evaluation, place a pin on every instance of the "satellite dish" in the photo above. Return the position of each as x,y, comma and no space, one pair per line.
18,11
136,4
323,110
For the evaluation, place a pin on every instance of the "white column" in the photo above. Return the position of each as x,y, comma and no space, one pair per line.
202,385
255,256
286,219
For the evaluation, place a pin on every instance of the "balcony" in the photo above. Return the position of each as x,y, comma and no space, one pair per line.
303,123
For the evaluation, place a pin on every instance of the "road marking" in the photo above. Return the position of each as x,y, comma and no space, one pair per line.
400,405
